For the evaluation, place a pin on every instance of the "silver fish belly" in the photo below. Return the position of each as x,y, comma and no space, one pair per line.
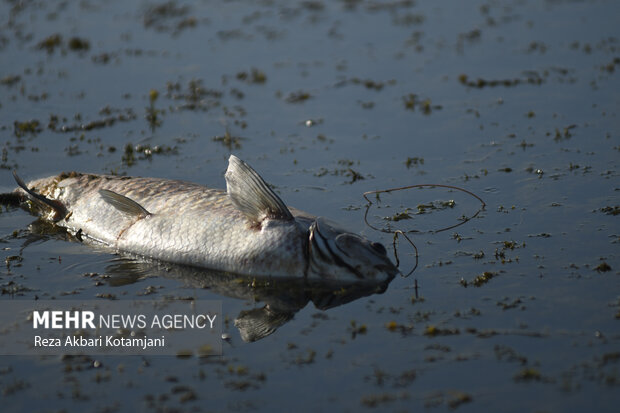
246,229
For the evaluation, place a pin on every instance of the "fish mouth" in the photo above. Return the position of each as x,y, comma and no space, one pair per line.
341,255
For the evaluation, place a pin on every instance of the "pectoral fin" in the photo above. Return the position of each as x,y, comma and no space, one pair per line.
251,194
123,204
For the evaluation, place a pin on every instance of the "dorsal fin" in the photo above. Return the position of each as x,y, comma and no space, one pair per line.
57,206
124,204
251,194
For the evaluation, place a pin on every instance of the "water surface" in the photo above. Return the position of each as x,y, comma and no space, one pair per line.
516,101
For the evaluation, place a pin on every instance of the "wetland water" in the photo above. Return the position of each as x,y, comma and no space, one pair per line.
516,101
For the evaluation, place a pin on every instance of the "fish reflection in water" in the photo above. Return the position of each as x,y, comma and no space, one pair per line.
282,297
242,242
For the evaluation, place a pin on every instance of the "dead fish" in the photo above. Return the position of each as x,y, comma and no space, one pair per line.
246,229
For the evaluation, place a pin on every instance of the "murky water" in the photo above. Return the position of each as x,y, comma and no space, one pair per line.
516,101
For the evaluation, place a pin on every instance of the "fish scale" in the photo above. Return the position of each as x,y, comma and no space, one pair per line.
190,224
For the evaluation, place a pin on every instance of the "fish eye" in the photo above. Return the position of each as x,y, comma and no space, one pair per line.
377,246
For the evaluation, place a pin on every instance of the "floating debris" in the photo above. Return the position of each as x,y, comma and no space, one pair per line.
312,122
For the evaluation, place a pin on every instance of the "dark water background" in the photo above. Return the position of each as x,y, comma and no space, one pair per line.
516,101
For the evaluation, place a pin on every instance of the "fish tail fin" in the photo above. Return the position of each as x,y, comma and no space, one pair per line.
59,209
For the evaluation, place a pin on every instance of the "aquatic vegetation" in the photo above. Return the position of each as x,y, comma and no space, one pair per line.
453,399
132,154
31,127
54,41
153,114
10,80
393,327
345,170
306,357
229,141
298,97
110,116
78,44
412,102
375,400
528,374
433,331
356,329
479,280
435,205
414,161
399,216
409,19
421,208
458,399
168,17
508,304
196,96
611,210
14,260
370,84
603,267
50,43
523,144
255,76
532,78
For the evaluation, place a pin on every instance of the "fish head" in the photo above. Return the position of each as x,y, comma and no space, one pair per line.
339,255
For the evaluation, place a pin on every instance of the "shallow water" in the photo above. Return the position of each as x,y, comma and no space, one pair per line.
515,101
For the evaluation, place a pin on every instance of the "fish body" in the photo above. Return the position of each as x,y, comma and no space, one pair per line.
246,229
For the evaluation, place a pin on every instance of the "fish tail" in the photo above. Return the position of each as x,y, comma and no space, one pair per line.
59,209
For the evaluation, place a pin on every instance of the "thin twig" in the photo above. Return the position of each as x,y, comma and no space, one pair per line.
404,233
396,253
383,191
